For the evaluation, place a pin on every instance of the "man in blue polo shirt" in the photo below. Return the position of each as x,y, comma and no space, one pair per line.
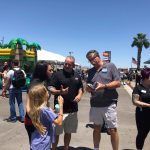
103,79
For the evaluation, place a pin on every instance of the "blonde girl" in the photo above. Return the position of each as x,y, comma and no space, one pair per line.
42,117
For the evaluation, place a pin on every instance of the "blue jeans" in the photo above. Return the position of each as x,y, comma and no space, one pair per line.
16,93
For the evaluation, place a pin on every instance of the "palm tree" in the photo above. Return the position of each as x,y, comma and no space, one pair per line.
34,47
17,45
139,41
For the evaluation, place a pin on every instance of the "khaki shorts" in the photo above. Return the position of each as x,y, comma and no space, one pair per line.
69,125
99,115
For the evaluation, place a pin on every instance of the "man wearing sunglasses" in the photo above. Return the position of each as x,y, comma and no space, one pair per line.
103,79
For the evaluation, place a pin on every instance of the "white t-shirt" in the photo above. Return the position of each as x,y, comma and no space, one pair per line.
10,75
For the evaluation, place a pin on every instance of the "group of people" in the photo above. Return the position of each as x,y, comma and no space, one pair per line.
44,125
67,85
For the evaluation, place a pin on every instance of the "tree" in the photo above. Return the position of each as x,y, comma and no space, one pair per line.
139,41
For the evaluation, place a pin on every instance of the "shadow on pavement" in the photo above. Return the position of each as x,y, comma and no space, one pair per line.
128,149
89,125
18,119
73,148
103,130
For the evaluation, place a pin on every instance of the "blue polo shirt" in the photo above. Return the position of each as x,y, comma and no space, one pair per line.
105,75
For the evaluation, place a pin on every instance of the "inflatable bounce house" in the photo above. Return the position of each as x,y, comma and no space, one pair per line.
22,51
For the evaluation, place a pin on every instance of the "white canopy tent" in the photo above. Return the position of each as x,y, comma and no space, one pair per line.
49,56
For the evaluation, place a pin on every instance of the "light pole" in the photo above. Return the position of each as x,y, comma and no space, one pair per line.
70,53
2,40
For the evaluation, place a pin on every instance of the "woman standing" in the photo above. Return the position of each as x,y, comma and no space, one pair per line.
41,74
141,99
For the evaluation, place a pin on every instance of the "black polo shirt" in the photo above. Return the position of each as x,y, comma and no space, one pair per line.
143,92
71,80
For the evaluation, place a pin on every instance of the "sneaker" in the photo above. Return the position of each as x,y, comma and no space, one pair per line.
11,120
21,119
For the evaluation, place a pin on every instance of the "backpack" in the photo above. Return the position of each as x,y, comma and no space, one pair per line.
18,79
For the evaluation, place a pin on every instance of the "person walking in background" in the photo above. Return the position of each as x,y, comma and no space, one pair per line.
14,93
4,79
42,74
42,117
102,81
141,99
137,77
68,84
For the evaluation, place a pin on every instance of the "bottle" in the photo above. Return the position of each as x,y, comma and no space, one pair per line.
57,108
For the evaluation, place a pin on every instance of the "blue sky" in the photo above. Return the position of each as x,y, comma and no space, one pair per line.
64,26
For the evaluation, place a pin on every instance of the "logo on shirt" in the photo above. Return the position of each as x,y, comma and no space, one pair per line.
76,79
143,91
104,70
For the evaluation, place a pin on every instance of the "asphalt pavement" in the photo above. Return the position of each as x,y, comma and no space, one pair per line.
13,136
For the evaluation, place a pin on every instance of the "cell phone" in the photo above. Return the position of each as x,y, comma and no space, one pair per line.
91,86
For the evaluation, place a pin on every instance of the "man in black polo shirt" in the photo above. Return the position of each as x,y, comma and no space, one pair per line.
67,83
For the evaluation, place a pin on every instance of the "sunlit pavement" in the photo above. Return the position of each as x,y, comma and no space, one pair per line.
13,136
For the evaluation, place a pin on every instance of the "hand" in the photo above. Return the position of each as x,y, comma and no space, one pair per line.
60,101
64,91
77,99
89,89
4,93
2,74
99,86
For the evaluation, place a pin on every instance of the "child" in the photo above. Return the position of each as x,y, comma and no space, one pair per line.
42,117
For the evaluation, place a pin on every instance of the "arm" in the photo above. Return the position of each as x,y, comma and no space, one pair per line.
59,119
1,73
136,101
27,104
80,93
55,83
62,90
7,84
111,85
115,80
